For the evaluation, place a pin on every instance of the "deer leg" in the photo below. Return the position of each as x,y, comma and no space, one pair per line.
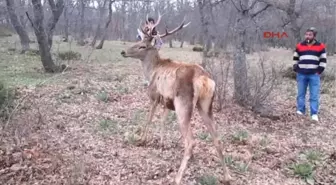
188,148
205,110
149,120
184,113
163,119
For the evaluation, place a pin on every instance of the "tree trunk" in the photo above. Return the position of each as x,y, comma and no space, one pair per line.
100,45
57,10
42,37
171,43
21,15
241,88
192,41
17,26
182,42
101,14
206,41
123,20
93,43
66,26
82,24
293,18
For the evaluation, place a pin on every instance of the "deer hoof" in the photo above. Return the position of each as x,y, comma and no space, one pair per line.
177,182
227,180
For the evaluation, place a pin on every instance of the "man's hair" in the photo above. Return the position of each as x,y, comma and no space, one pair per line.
151,19
312,29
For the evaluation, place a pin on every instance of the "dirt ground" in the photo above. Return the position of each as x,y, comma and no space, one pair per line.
79,127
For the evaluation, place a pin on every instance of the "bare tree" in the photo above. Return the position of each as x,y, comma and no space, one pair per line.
82,24
66,19
45,38
204,7
57,10
246,14
21,14
293,13
98,29
100,45
24,38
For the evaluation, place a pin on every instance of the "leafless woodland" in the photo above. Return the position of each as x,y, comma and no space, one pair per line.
76,121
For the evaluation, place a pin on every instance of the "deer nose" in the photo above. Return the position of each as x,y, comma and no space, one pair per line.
123,53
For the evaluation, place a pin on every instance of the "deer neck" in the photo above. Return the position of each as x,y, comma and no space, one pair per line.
150,62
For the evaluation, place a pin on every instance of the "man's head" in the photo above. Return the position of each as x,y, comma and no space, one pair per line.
151,20
310,34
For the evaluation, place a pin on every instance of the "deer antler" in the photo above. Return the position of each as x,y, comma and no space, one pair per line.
147,21
183,25
150,27
158,20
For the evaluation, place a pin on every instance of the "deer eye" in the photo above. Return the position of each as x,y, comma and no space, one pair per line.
142,47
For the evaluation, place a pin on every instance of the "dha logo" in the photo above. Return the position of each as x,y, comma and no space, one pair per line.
268,35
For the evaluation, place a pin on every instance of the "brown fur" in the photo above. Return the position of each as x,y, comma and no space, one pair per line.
180,87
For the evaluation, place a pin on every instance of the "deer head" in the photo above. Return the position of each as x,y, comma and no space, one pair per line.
142,48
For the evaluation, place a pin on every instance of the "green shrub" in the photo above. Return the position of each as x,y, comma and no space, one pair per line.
207,180
5,32
69,55
33,52
328,75
289,73
6,98
11,49
213,53
197,48
304,171
240,136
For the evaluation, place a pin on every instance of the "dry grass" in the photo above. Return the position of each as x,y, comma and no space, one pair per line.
80,127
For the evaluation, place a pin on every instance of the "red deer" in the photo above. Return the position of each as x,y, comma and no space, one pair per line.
180,87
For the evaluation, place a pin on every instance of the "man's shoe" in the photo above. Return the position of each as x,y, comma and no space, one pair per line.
299,112
314,117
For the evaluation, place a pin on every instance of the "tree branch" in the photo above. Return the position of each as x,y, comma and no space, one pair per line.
260,11
241,5
252,5
217,2
286,22
235,6
57,10
276,4
31,21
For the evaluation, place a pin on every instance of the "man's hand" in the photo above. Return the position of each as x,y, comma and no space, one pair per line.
295,66
320,70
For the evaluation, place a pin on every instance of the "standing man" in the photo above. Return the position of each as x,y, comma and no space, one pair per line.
311,60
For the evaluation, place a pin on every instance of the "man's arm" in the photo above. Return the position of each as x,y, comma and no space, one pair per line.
323,60
296,58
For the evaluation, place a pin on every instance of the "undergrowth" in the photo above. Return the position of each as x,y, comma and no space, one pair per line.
305,167
6,100
69,55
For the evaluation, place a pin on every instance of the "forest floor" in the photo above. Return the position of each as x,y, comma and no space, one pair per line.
79,127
